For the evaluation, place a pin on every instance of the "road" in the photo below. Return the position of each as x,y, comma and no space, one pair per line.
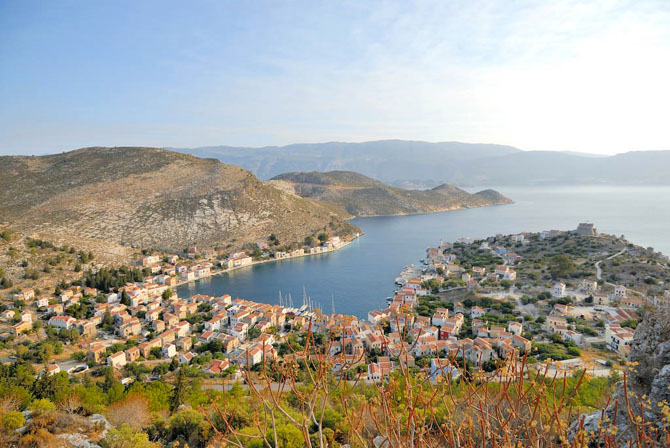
599,272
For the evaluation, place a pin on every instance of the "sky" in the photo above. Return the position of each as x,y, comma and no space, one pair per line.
539,75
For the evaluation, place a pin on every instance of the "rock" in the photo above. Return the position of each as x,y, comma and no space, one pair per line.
381,442
648,381
78,440
99,419
660,387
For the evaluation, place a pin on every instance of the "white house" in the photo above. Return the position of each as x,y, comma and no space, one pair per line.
117,360
573,336
62,321
558,290
619,291
515,328
169,351
477,311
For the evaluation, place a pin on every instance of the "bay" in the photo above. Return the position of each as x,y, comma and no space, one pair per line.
359,277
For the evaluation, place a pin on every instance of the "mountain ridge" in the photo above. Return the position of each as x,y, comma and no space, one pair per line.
425,164
360,195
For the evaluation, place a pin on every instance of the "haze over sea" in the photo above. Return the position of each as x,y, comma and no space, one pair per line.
359,277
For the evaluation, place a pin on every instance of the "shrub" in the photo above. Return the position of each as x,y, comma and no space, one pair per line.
42,406
12,420
126,437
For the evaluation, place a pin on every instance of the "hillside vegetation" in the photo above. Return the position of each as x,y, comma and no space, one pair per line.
362,196
148,197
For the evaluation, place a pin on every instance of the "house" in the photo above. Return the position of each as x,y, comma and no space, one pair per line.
620,291
42,302
146,347
150,259
158,326
21,327
589,286
169,351
573,336
618,339
477,311
96,353
130,328
380,370
240,330
56,308
186,358
601,299
132,354
632,302
117,360
515,328
61,322
87,327
52,369
506,272
442,368
25,295
523,344
558,290
217,366
478,271
185,343
560,309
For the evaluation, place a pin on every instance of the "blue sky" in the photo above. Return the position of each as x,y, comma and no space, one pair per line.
560,75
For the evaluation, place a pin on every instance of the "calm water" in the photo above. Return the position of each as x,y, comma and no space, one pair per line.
360,276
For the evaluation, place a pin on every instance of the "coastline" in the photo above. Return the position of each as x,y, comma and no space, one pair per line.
269,260
434,211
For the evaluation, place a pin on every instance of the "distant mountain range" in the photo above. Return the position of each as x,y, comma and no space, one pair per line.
360,195
107,198
416,164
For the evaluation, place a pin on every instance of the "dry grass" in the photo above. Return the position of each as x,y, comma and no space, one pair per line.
512,407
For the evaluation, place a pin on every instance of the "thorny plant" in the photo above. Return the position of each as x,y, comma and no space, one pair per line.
515,406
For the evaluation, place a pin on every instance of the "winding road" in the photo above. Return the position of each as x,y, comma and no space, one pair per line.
599,272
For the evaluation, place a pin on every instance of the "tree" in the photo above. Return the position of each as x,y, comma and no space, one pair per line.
323,237
125,298
6,283
107,320
167,294
190,427
179,392
112,386
561,266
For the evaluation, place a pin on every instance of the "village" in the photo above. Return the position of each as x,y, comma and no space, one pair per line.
471,305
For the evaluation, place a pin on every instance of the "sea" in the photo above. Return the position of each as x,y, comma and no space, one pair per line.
359,277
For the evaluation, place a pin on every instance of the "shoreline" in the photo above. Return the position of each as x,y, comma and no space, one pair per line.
270,260
431,212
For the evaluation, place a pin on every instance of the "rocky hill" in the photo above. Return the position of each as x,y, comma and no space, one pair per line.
363,196
148,197
646,389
